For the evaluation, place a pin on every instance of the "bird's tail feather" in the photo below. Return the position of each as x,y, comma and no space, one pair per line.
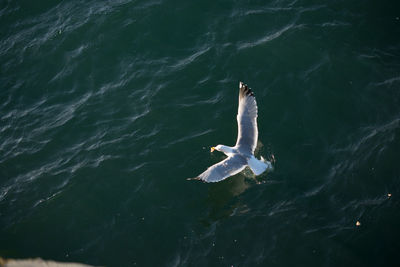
258,166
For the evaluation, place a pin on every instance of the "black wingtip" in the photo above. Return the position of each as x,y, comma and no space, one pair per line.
245,90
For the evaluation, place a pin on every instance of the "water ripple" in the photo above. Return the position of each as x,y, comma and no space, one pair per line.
390,81
269,37
188,137
188,60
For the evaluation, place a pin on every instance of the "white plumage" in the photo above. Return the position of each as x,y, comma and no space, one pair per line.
242,154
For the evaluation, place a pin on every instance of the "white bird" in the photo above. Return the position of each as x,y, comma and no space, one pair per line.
242,154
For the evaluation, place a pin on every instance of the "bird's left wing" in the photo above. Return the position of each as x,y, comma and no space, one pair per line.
224,169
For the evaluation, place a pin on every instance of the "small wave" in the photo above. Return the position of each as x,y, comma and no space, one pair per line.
191,101
96,162
137,167
314,191
4,191
280,207
152,133
17,114
188,137
330,227
368,148
266,10
59,115
315,67
389,82
275,9
21,180
384,133
40,201
188,60
269,37
150,4
362,203
70,64
334,24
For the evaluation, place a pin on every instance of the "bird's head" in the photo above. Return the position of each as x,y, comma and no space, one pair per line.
218,148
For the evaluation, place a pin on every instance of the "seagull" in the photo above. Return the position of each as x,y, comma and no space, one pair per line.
242,154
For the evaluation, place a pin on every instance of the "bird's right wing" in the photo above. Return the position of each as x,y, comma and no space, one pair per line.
224,169
247,120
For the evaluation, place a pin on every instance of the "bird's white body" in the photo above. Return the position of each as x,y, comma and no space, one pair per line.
257,166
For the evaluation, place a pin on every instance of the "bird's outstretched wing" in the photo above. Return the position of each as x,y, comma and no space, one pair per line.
247,120
223,169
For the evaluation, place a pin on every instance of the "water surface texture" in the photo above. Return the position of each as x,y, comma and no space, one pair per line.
106,107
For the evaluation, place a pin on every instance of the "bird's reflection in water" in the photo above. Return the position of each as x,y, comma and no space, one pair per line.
222,197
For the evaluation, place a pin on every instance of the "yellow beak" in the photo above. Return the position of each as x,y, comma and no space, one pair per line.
212,149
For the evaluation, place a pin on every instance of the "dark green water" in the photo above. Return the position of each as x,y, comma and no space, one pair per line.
106,107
